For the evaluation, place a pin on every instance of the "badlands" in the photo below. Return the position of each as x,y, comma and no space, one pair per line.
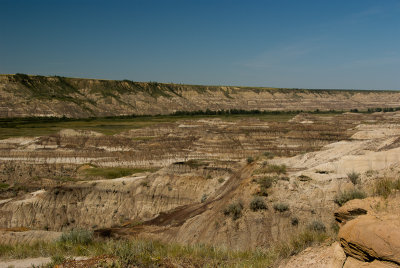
287,189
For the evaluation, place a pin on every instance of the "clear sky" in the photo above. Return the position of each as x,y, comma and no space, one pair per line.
280,43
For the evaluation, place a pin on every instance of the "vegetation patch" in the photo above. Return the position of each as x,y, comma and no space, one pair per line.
385,186
112,172
317,226
278,169
354,177
304,178
195,163
257,204
234,210
265,183
250,160
143,138
77,236
299,242
281,207
4,185
342,197
147,253
294,221
268,155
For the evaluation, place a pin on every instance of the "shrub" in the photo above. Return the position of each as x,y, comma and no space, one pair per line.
268,155
304,178
279,169
284,178
396,184
281,207
112,172
221,180
234,210
343,197
257,204
335,227
4,185
317,226
265,183
203,198
384,187
134,253
294,221
77,236
250,160
353,177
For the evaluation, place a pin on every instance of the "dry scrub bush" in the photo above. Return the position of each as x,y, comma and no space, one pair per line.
257,204
384,187
147,253
234,210
353,177
281,207
317,226
342,197
77,236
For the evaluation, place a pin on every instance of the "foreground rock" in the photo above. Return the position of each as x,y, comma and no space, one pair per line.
367,238
370,233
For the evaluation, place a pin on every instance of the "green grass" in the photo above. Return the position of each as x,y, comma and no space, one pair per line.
112,172
28,127
147,253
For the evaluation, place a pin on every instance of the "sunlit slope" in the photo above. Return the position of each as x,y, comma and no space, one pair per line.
24,95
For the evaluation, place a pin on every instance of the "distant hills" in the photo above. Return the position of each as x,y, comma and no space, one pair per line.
26,95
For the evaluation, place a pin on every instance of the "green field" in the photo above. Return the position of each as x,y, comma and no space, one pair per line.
20,127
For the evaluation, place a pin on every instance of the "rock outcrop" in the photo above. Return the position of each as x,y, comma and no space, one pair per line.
369,238
370,233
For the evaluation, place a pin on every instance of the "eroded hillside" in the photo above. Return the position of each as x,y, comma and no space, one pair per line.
23,96
241,183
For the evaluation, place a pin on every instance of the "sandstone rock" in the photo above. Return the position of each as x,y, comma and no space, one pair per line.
339,257
367,238
355,208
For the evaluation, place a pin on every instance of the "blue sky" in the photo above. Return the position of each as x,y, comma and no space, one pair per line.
301,44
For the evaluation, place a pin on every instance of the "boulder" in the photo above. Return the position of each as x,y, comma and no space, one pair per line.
355,208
